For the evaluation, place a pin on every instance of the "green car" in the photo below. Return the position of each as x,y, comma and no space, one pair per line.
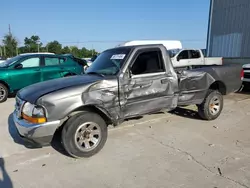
27,69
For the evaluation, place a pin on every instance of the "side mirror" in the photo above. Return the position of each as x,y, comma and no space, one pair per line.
178,58
18,66
127,74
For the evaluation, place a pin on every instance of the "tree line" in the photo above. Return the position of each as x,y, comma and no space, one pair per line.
33,44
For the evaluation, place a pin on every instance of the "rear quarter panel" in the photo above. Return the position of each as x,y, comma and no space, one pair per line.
193,84
71,66
228,74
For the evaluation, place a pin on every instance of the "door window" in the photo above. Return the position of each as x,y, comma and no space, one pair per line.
52,61
148,62
183,55
195,54
31,62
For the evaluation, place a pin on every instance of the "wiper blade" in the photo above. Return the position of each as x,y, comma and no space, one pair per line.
96,73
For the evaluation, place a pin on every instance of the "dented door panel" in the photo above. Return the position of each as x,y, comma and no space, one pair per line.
147,94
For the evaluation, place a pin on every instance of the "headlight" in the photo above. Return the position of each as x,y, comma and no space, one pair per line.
33,113
28,109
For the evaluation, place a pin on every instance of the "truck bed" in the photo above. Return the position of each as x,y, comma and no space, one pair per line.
213,60
194,83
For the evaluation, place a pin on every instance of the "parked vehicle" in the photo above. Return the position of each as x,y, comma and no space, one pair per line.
180,57
26,69
191,57
246,79
121,83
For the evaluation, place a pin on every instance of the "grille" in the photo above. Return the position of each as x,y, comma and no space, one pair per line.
247,75
18,106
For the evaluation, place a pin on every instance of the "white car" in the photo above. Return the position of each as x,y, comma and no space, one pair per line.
191,57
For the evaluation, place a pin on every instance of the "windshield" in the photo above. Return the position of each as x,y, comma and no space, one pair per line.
173,52
109,62
10,61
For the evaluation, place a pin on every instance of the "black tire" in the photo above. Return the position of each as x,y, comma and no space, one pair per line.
71,142
208,112
4,92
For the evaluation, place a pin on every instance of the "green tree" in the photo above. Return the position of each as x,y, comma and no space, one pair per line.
88,53
23,49
75,51
66,50
54,47
32,44
9,45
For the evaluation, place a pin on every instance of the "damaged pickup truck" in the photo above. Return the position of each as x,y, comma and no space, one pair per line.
122,83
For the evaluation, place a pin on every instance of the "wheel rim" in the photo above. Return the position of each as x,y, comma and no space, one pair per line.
88,136
2,93
214,105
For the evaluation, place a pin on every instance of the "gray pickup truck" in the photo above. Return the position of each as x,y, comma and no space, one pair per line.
122,83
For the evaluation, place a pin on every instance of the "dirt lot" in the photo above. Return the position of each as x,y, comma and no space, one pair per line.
160,150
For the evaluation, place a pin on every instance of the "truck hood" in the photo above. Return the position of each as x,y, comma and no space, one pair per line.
35,91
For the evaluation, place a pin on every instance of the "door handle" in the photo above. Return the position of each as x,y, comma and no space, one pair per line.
37,70
164,81
140,86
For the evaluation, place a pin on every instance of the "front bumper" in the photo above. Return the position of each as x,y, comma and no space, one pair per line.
37,134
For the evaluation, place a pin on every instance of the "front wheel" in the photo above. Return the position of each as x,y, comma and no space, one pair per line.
4,92
84,134
212,105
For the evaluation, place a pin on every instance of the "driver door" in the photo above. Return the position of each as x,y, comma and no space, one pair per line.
27,74
149,87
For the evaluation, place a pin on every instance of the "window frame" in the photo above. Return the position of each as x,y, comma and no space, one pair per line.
182,52
48,56
139,52
190,51
27,58
44,63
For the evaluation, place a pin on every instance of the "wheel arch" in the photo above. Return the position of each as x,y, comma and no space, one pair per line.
5,84
95,109
220,86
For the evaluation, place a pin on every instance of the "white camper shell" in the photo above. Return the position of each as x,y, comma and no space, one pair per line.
169,44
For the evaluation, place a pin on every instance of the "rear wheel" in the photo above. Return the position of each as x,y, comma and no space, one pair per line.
212,105
84,134
4,92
